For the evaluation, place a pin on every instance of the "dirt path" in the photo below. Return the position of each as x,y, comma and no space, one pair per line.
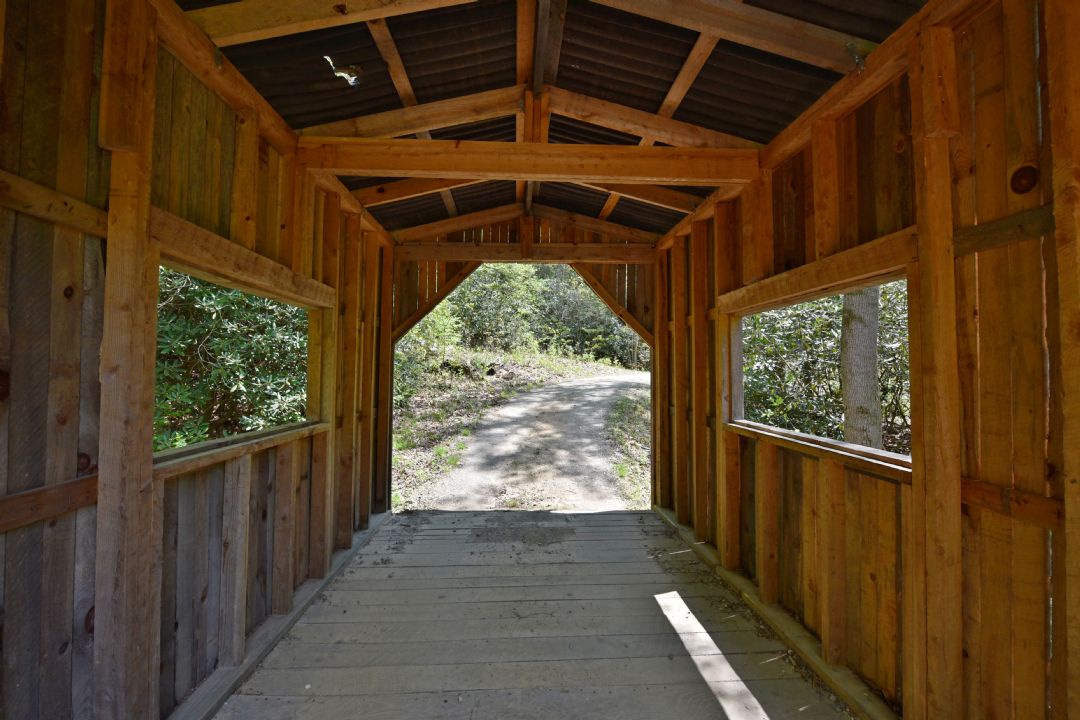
544,450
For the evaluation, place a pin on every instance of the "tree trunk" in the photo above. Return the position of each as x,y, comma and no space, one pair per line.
859,368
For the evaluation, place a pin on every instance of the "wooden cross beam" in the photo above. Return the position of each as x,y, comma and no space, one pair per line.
478,160
397,190
544,253
250,20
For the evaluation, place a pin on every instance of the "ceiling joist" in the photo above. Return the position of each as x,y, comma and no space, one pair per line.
250,20
737,22
479,160
428,116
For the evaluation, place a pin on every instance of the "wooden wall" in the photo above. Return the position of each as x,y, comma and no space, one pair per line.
934,166
241,523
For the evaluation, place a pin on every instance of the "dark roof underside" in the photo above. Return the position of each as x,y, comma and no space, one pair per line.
605,53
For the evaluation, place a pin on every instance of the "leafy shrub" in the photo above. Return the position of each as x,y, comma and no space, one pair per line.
227,362
496,306
791,368
421,350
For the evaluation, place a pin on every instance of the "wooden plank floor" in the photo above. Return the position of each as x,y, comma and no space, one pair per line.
498,615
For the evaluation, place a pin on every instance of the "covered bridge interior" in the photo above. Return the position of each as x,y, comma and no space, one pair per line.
694,160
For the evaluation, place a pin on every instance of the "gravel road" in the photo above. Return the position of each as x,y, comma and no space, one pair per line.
544,450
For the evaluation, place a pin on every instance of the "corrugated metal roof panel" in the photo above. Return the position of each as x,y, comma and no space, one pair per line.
409,213
292,73
568,131
750,93
458,50
356,183
620,57
872,19
499,129
572,198
483,196
644,216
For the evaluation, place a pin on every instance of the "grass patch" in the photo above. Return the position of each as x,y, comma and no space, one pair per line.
629,429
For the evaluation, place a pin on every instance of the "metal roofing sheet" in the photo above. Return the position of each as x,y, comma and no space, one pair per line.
568,131
458,50
870,19
471,198
408,213
572,198
498,129
293,74
750,93
620,57
643,216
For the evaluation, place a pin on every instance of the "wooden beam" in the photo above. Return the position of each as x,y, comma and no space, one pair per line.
688,73
704,211
211,257
680,441
384,384
553,51
1062,26
657,195
44,203
638,122
183,38
728,445
347,410
540,44
932,610
869,264
398,190
613,304
250,20
508,161
544,253
127,587
243,213
380,33
526,40
427,116
737,22
590,224
501,214
661,385
1024,225
286,476
699,376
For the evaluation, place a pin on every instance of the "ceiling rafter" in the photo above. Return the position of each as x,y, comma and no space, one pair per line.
485,160
398,190
481,218
551,19
552,253
384,41
250,20
737,22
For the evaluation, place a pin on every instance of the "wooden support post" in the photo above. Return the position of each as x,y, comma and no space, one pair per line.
349,321
129,509
286,475
236,519
680,441
832,560
757,226
245,181
662,387
767,520
321,530
699,376
932,612
383,419
526,235
368,366
728,449
1062,27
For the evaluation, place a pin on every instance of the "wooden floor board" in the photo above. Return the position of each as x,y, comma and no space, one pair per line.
526,615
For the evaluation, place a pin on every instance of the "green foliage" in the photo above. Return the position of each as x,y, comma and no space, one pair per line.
496,306
791,368
423,349
227,362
